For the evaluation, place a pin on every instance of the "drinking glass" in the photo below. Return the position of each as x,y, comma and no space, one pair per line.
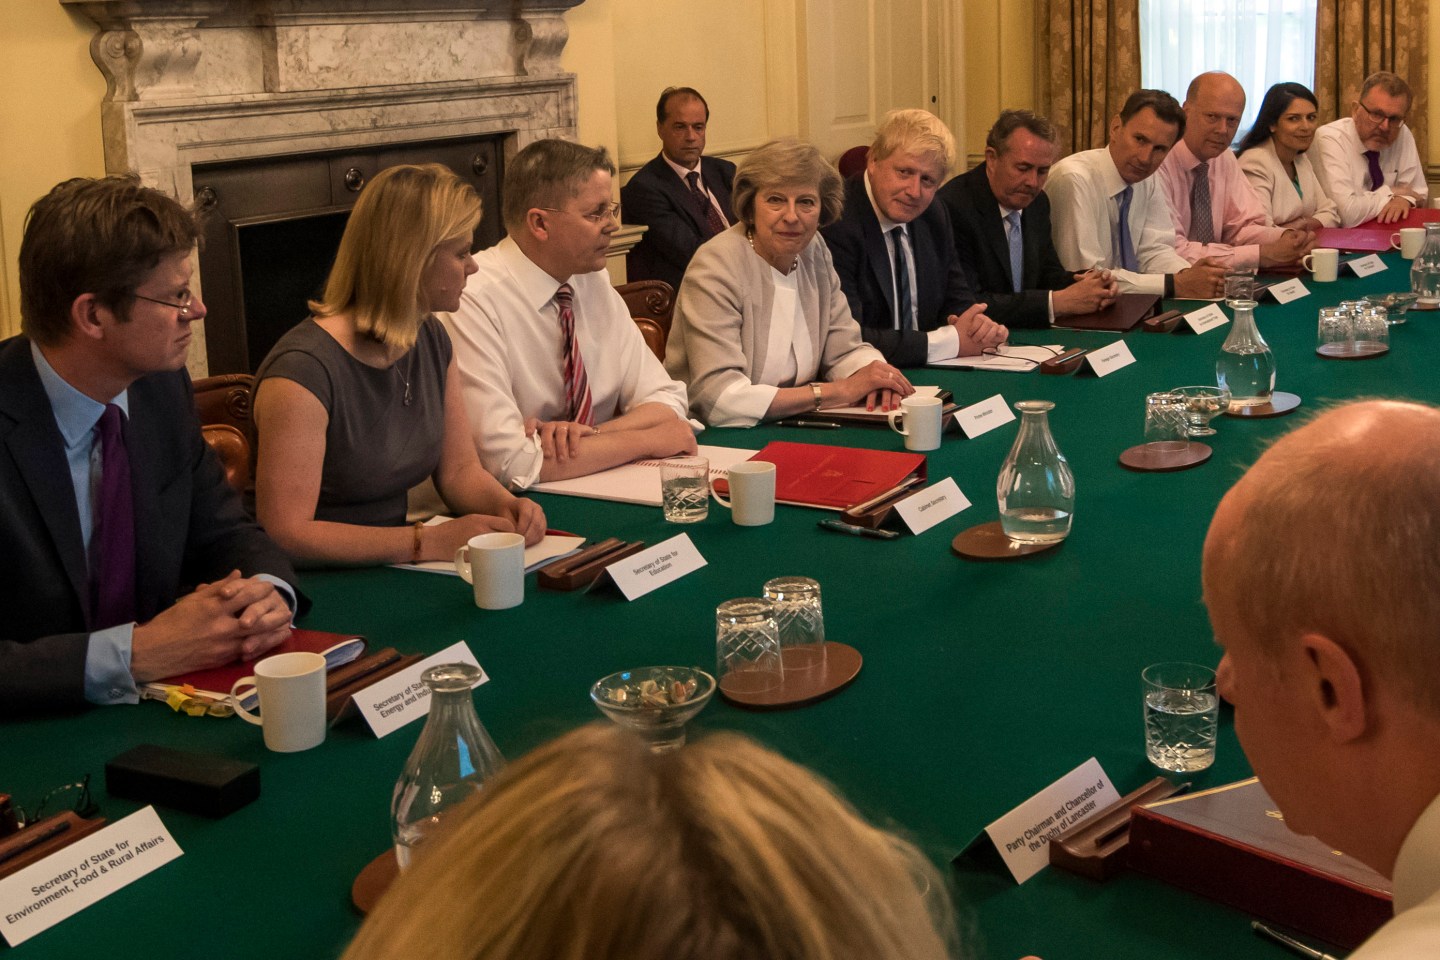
747,647
1182,712
685,489
1239,285
1335,327
1165,424
801,620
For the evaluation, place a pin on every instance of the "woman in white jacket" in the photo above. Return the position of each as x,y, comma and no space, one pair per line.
1273,156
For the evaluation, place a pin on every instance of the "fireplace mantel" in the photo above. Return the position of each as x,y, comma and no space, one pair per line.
206,81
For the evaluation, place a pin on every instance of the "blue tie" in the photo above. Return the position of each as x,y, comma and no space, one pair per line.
904,313
1017,250
1126,253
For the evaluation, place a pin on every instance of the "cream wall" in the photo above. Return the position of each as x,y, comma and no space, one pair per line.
49,121
747,56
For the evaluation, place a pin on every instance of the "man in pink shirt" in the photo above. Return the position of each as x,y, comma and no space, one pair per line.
1215,211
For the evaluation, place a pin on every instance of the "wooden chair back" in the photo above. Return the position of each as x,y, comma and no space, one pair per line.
651,304
223,403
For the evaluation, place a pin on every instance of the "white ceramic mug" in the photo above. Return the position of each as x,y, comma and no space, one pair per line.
292,700
922,422
1324,262
494,565
1408,240
752,493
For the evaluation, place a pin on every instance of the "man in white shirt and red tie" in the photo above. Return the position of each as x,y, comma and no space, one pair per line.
556,377
1368,162
1215,210
682,196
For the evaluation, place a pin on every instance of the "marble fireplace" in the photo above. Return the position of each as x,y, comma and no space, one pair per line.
270,114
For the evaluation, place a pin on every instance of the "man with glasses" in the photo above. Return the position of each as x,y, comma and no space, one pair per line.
128,557
556,377
1368,162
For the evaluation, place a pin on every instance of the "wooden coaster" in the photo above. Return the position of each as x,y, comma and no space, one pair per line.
988,542
373,881
801,687
1280,404
1363,350
1165,456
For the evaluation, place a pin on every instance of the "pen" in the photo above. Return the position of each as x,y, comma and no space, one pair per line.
1270,933
854,531
809,424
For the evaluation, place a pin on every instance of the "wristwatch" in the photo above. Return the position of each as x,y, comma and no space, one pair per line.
819,397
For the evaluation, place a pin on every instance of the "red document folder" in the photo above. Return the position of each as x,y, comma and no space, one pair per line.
816,475
338,648
1372,236
1230,844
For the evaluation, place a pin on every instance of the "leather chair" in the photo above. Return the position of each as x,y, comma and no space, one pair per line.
223,404
852,161
651,304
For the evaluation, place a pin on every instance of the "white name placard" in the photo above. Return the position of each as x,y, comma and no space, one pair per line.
402,697
935,503
1106,360
1023,835
1207,317
85,872
984,416
1287,291
1364,266
651,569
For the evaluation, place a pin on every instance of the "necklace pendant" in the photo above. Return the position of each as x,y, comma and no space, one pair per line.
406,401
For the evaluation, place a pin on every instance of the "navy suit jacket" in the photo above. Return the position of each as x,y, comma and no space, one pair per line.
985,252
862,260
190,528
660,200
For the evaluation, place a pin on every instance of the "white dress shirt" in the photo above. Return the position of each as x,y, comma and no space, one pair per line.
1345,173
1084,193
1415,929
510,354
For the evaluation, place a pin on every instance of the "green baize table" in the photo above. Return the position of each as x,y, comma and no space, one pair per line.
982,683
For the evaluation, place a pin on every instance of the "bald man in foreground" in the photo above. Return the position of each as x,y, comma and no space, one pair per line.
1322,578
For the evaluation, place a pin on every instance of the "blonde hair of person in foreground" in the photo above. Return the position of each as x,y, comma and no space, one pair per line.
592,847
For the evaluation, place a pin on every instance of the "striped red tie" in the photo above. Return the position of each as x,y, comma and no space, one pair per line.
577,385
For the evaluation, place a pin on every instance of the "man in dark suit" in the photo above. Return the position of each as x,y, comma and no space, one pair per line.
895,252
127,556
681,195
985,205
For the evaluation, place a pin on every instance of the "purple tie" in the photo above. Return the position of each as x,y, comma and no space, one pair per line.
1377,176
112,545
714,223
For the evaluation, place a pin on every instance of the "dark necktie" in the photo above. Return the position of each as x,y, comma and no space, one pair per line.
577,384
1202,226
1126,252
112,542
1017,251
904,312
1377,176
714,223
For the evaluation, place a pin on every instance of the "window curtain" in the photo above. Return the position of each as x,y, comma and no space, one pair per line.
1258,42
1354,38
1090,63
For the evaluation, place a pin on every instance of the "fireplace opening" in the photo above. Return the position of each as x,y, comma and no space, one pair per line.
272,225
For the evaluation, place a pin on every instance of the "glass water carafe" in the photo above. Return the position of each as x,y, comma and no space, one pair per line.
450,763
1246,367
1425,269
1036,488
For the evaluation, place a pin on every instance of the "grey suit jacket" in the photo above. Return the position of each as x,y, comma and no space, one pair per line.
721,329
190,528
